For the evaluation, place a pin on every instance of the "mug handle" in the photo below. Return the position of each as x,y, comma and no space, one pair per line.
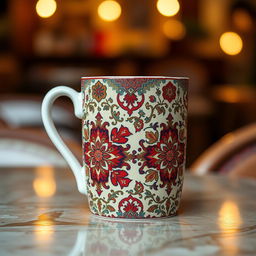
47,104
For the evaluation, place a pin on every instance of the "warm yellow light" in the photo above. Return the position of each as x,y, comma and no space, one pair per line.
229,222
44,232
228,94
109,10
44,183
168,7
231,43
46,8
44,187
229,216
174,29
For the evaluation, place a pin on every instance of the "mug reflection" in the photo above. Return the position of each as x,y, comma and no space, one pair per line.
103,237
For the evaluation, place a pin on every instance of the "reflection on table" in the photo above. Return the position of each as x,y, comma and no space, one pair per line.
43,214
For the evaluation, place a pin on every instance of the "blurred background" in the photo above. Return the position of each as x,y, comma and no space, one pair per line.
45,43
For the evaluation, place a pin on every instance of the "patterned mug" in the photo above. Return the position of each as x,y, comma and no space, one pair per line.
134,143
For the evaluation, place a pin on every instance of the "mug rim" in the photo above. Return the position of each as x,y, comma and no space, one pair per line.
134,77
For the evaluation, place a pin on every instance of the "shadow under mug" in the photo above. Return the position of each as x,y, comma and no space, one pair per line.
134,143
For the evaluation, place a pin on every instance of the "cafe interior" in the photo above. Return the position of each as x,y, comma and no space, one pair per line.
49,43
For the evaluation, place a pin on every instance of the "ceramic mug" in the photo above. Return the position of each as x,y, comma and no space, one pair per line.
134,143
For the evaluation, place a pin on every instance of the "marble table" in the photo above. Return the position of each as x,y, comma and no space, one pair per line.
41,213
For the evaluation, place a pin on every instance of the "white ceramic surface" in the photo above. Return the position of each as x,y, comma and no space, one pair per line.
134,143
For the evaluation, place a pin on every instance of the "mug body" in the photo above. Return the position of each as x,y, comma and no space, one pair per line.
134,144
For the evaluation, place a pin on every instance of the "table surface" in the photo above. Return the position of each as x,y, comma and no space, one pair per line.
41,213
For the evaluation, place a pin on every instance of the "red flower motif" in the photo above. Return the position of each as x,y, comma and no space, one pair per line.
119,177
130,102
119,136
102,156
166,156
169,92
130,207
152,98
130,98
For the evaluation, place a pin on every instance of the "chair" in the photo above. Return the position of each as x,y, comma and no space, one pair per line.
234,154
2,123
24,111
30,147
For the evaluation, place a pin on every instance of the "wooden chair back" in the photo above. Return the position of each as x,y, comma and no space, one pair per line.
234,154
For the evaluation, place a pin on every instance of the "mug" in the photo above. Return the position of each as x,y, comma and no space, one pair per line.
134,143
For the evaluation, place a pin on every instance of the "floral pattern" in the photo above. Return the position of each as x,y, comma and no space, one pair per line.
130,102
166,156
99,91
134,144
130,207
169,92
103,156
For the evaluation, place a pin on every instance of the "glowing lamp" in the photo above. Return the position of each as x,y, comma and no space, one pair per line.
231,43
109,10
168,7
46,8
174,29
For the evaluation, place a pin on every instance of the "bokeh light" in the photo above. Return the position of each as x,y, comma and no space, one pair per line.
242,20
44,232
44,184
229,216
168,7
109,10
46,8
231,43
229,222
174,29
